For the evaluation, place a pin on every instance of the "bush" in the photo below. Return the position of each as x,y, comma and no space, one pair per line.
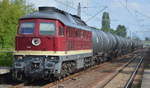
6,59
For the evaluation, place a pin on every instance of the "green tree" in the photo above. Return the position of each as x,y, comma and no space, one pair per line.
112,31
105,22
136,38
121,31
10,12
147,39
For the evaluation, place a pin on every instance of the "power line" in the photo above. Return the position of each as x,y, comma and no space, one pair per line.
65,4
137,11
83,7
96,14
137,20
134,16
142,14
126,2
69,6
93,7
126,7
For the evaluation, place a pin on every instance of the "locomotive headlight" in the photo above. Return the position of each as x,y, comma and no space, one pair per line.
52,58
19,57
36,41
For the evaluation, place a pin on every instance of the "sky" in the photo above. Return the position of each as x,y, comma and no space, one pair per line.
134,14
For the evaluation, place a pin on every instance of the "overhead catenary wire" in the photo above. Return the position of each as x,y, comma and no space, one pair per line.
134,16
128,10
136,12
142,14
96,14
91,17
126,3
126,7
65,4
69,6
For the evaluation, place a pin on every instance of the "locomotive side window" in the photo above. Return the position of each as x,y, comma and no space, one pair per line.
61,31
47,28
27,28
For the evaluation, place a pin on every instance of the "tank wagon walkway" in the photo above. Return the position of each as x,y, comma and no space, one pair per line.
146,74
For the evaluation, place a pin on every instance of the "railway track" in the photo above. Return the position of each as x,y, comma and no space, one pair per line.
74,77
7,82
114,79
58,83
12,84
131,79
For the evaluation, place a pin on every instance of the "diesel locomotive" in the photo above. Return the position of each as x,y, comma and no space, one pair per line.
54,43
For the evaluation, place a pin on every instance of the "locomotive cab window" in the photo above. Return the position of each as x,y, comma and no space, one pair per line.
47,28
26,28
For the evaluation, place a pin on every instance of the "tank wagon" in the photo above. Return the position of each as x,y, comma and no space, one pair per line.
53,43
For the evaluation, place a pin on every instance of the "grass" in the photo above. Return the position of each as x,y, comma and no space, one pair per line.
146,42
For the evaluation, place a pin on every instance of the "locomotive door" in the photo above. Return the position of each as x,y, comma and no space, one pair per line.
66,40
63,36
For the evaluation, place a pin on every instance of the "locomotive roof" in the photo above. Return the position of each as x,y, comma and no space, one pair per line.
54,13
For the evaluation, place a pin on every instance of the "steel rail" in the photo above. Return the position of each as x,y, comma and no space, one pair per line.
117,72
131,79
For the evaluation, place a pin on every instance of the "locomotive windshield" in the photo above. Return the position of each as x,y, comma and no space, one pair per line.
27,27
47,28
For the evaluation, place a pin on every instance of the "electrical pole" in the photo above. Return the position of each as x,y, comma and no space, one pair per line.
79,10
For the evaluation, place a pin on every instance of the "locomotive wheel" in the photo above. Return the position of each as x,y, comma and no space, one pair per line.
64,70
88,62
67,69
17,75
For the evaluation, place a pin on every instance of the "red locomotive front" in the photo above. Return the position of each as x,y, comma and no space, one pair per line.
38,35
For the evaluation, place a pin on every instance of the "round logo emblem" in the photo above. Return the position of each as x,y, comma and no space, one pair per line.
36,41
